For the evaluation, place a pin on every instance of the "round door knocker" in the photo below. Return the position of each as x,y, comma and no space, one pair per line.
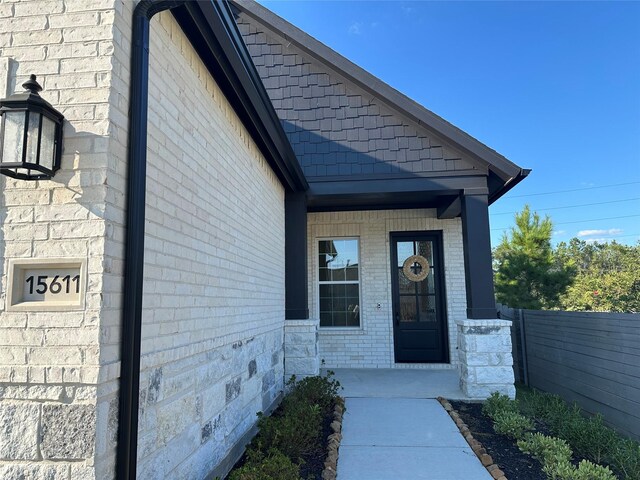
416,268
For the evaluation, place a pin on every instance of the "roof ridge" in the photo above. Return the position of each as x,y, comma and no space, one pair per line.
380,89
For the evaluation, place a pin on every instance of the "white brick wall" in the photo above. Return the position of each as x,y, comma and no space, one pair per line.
213,311
214,286
371,345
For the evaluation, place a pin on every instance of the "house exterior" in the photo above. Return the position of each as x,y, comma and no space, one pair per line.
238,203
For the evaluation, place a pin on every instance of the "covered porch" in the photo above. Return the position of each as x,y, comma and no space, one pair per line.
399,383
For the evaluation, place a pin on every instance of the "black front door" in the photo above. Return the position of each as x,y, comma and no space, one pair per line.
419,316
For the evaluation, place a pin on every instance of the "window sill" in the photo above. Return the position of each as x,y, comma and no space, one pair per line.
341,331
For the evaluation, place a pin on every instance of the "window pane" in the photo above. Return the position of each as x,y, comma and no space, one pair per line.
339,303
47,143
427,308
326,291
353,319
425,249
404,284
13,132
352,290
408,309
339,319
352,272
32,137
405,250
338,274
325,319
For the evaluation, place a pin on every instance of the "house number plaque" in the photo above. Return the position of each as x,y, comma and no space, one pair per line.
46,284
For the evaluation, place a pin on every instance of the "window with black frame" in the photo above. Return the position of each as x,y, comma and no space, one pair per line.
339,282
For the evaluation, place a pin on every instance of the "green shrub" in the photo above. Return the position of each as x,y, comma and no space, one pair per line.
549,450
625,456
541,405
511,424
498,403
561,470
317,390
587,435
272,466
590,471
296,432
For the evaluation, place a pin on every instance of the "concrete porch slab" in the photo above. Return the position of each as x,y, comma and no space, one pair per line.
400,422
397,439
409,463
399,383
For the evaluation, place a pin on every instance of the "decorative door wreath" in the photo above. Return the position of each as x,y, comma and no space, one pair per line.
416,268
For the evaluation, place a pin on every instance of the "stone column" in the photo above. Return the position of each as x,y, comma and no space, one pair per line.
301,357
486,361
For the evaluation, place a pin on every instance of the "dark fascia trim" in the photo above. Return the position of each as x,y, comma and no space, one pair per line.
212,30
254,110
509,184
396,176
442,185
380,90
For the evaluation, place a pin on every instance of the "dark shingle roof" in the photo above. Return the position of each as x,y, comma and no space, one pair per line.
344,122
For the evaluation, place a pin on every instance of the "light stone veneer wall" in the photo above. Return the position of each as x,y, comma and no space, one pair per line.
371,345
214,289
58,370
486,358
213,311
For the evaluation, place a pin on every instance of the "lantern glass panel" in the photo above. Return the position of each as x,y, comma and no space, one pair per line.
13,135
47,143
32,137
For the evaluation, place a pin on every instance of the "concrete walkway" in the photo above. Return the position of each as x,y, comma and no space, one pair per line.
388,437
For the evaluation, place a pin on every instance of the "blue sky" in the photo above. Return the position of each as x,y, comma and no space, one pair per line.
553,86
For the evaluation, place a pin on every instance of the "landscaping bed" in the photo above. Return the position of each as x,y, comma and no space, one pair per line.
300,439
505,453
541,437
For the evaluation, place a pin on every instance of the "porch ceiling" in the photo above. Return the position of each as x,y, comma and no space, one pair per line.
389,193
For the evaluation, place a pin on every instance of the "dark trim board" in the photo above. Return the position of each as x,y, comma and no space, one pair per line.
389,194
476,242
296,259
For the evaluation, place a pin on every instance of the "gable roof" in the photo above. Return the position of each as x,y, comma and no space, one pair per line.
344,122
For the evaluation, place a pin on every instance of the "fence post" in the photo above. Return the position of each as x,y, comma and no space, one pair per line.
523,349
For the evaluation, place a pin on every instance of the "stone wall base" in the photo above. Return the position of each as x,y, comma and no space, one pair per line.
486,362
301,357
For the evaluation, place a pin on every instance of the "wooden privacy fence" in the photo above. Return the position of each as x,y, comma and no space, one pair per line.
591,358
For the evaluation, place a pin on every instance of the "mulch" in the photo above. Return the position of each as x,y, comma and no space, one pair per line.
515,464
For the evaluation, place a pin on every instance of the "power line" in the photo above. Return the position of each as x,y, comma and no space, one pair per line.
620,236
578,221
573,206
574,190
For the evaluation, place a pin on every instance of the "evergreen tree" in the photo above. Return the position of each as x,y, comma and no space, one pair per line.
526,272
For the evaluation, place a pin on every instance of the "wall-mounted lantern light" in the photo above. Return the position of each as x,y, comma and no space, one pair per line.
30,135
